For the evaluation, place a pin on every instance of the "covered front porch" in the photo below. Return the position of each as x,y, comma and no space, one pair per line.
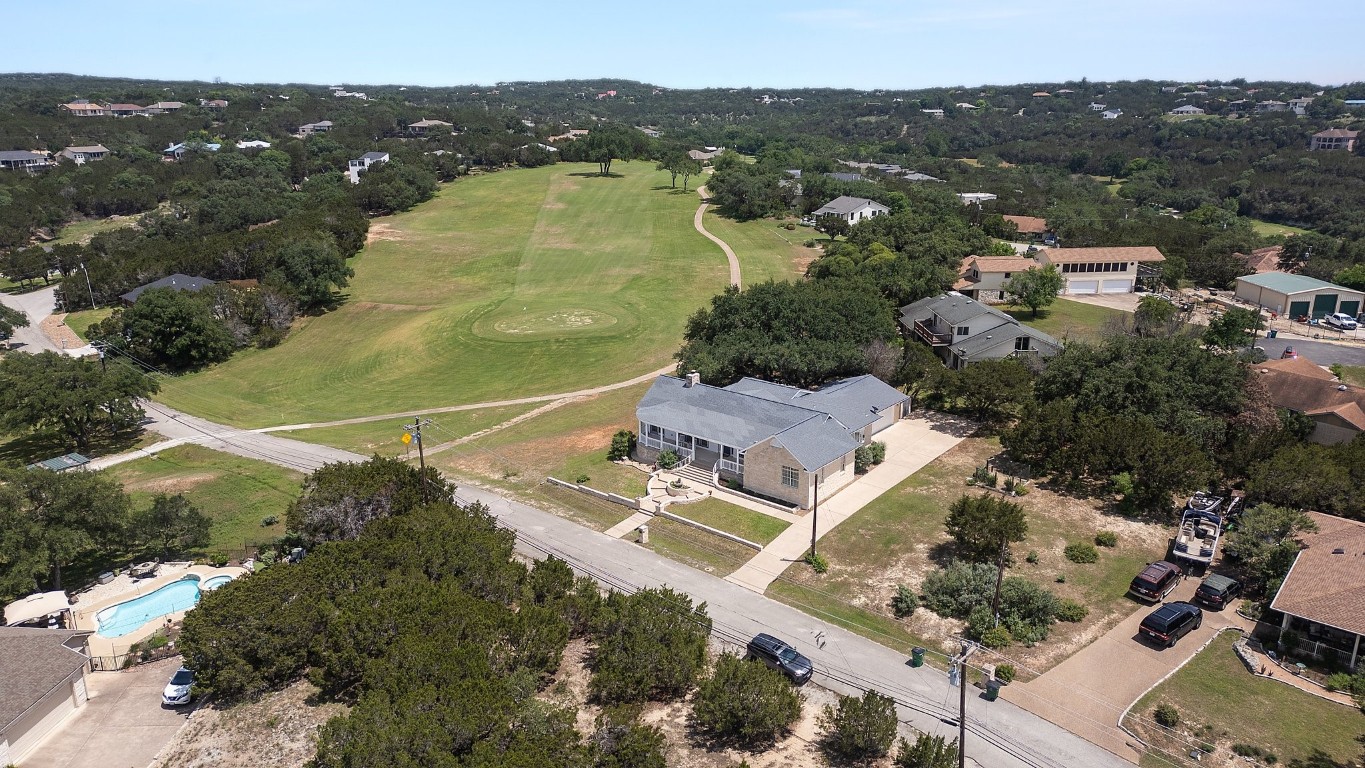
1323,640
695,449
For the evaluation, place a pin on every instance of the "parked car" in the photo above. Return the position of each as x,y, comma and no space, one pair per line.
1156,581
177,690
1218,590
1342,320
1172,621
781,657
1289,354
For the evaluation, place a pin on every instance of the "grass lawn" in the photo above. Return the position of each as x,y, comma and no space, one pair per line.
523,282
899,538
80,322
567,442
1066,320
26,448
385,437
1221,703
744,523
1268,229
1353,374
766,249
80,232
237,493
698,549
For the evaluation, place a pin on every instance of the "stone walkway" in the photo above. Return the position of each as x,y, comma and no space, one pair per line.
911,444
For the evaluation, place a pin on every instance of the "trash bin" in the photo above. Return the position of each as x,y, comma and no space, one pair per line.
917,657
992,690
1272,333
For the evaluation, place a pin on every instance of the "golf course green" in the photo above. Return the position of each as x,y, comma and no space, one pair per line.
511,284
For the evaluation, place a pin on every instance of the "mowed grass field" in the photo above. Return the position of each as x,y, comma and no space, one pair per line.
526,282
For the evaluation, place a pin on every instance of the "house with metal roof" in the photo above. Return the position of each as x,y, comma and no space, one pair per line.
1323,595
778,441
852,209
961,331
176,282
61,463
1297,296
43,674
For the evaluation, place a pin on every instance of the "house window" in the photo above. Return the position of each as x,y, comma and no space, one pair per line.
1007,275
1021,344
962,330
702,443
790,477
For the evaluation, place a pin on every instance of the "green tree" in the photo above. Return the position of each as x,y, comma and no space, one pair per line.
745,702
9,320
1154,317
1232,330
73,398
1035,288
308,271
984,526
651,645
609,142
993,390
927,752
832,225
1351,277
859,728
1266,541
172,524
689,168
49,520
338,500
168,327
673,160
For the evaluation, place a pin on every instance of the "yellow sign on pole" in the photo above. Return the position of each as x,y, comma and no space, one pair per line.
407,438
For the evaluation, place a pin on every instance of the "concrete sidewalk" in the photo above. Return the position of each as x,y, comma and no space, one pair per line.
910,445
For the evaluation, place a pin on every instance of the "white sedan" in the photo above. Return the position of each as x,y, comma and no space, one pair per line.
178,689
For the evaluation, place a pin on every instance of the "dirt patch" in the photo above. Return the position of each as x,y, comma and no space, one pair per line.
283,725
382,231
172,485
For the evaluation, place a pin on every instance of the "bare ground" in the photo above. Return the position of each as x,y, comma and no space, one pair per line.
283,725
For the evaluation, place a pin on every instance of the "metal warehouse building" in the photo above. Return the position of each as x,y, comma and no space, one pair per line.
1298,296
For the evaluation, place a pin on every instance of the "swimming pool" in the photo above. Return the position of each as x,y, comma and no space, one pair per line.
119,620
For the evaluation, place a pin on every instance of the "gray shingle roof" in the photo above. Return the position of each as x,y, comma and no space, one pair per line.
953,308
177,282
21,154
846,176
844,205
32,663
976,346
855,402
815,427
375,156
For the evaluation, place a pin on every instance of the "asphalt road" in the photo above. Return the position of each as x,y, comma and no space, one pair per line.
1000,734
37,305
1320,352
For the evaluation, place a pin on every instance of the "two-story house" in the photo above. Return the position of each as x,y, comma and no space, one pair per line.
357,167
1100,270
321,126
1334,138
962,331
983,277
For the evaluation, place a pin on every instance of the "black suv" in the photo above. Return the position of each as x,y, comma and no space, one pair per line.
1218,590
1170,622
1156,581
781,657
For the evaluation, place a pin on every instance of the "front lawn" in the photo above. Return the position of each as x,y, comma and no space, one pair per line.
899,538
237,493
80,322
1066,320
1219,702
744,523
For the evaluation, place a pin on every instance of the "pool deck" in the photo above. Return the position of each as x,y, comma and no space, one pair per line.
83,613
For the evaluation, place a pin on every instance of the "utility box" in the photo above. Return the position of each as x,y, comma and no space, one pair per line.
643,530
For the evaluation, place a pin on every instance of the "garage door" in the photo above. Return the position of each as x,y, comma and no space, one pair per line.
1117,286
36,724
1083,286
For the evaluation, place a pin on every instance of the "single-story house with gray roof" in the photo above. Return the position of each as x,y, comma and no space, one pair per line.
1297,296
42,672
852,209
778,441
176,282
961,331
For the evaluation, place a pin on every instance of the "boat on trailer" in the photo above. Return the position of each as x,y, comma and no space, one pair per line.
1201,525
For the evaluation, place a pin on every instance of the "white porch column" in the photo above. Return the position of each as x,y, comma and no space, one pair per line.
1284,623
1355,652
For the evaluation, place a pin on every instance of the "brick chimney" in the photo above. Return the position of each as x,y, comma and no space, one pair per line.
693,379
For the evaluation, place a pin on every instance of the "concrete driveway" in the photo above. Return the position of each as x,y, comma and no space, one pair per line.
122,725
1088,692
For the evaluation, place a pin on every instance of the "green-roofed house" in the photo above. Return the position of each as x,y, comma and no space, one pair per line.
1295,296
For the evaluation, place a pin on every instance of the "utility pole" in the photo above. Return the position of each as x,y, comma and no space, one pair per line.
415,435
961,662
999,579
89,287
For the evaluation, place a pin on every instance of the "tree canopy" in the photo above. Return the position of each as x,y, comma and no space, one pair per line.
72,398
48,520
796,333
1035,288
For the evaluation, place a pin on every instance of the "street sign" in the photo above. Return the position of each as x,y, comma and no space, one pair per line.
407,438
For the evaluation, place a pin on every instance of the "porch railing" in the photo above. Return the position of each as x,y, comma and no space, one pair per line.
931,336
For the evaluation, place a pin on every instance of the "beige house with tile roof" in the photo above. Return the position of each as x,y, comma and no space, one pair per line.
1100,270
983,277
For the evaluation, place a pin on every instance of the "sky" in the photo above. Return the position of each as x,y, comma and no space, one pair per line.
861,44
